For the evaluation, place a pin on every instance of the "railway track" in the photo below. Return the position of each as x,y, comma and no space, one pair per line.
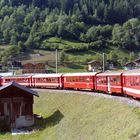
126,100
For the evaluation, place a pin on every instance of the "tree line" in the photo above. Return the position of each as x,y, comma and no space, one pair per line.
99,23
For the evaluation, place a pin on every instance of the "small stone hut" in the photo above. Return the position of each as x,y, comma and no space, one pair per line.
16,105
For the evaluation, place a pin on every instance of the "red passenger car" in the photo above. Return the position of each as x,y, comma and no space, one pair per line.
24,80
47,81
79,80
131,83
109,82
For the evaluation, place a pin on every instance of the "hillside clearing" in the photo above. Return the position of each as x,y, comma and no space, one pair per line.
75,61
82,117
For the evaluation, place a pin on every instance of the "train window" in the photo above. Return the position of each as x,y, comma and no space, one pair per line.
128,82
99,80
48,80
104,80
76,79
66,79
69,79
52,79
91,79
132,81
55,79
118,80
39,80
83,79
136,81
42,80
139,81
87,80
7,80
73,80
45,79
114,80
80,79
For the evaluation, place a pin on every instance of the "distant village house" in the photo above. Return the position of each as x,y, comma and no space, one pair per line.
130,66
16,64
34,68
110,64
137,61
94,65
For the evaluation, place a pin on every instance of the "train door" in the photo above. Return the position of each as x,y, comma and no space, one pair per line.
61,80
108,85
87,82
33,82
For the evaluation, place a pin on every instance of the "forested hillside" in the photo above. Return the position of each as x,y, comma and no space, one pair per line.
27,24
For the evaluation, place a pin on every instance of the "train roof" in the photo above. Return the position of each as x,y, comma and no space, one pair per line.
6,74
48,75
80,74
132,72
110,73
19,76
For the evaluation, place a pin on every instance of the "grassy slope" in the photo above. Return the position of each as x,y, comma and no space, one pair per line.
73,57
82,56
77,56
81,117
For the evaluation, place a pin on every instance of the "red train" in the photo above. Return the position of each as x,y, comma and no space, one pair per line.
123,83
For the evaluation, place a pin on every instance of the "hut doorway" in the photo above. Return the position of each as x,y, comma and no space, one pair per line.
7,112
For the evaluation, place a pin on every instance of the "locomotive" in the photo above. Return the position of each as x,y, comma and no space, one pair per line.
122,83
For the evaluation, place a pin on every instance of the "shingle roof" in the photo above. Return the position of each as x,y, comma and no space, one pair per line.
92,61
14,84
130,63
137,60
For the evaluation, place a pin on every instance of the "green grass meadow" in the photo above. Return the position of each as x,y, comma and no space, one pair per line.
81,117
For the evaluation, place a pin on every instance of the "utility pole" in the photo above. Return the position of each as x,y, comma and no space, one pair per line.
12,70
56,60
103,62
